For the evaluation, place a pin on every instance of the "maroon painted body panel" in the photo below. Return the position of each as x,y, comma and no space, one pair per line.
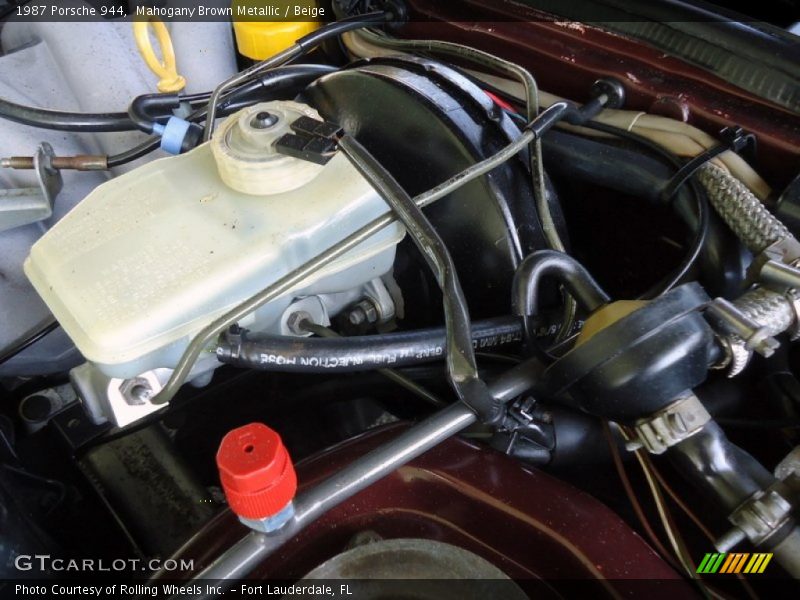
566,58
523,521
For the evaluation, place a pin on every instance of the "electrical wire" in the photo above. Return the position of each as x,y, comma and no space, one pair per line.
679,547
702,208
676,137
667,521
690,168
673,535
697,522
634,500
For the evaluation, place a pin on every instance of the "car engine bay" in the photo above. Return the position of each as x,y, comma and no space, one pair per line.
457,291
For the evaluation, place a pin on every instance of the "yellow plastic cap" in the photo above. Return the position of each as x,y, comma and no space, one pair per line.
260,40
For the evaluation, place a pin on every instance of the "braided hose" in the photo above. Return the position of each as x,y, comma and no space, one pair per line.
747,217
757,229
767,308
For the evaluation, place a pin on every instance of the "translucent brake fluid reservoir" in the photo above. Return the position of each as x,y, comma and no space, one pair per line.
148,259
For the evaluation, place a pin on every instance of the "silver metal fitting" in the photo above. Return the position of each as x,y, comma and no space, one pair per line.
789,466
365,311
273,523
736,355
772,312
23,206
730,539
759,517
670,426
136,391
781,275
294,322
756,337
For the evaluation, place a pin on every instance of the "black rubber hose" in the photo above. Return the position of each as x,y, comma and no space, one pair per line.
63,120
726,471
281,81
289,78
144,110
527,284
608,166
148,109
358,353
337,28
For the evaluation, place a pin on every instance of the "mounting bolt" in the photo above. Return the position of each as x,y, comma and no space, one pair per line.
294,322
364,312
136,391
263,120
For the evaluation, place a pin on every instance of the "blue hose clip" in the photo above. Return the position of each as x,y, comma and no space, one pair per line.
173,133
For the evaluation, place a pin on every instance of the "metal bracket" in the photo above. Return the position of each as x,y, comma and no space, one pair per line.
22,206
731,320
670,426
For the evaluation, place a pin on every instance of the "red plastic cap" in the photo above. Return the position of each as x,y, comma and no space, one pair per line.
256,471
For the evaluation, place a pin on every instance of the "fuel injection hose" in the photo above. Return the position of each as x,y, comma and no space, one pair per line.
358,353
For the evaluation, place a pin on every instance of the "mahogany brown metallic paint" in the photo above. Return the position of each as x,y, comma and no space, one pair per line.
524,521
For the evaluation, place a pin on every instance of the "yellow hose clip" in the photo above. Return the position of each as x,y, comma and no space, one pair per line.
165,68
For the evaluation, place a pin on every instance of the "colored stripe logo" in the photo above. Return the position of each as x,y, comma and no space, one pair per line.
734,562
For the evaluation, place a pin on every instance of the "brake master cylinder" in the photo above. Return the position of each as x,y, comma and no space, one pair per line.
148,259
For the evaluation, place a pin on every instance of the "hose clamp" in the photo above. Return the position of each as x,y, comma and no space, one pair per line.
671,425
761,515
736,355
